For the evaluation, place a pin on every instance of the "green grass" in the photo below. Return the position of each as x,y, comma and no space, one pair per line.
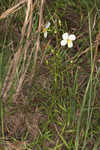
65,88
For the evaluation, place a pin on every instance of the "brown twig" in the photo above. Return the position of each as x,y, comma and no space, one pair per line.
38,38
13,9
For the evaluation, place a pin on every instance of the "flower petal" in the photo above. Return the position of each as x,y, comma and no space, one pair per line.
72,37
65,36
47,25
70,44
45,34
63,42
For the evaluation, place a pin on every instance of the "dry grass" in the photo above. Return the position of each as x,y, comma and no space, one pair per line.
22,49
12,10
17,123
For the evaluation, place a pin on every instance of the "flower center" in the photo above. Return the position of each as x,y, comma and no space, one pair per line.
44,30
68,41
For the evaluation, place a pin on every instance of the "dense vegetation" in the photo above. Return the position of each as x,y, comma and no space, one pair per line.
50,74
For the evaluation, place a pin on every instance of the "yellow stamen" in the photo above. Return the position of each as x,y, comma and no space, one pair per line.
69,41
44,30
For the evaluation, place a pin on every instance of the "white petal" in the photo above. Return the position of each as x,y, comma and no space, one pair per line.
65,36
70,44
45,34
72,37
63,42
47,25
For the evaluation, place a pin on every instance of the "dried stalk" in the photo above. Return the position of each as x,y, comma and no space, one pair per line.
38,38
13,65
13,9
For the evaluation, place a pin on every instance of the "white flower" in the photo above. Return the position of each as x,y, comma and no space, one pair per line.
67,39
45,29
